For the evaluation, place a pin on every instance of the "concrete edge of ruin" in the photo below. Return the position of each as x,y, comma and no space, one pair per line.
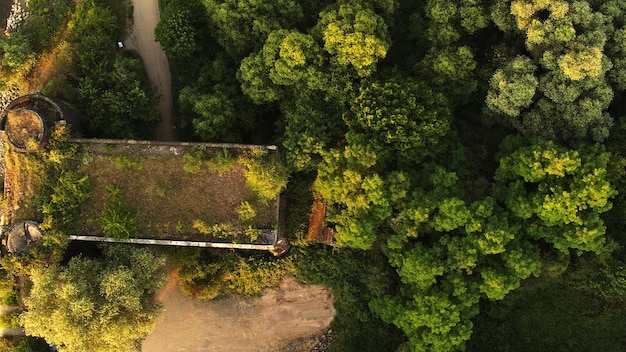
265,247
181,144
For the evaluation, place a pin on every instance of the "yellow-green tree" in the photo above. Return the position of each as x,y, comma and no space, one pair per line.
96,305
450,253
559,88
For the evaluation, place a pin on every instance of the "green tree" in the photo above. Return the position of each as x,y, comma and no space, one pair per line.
570,189
568,97
288,58
355,35
46,19
214,113
402,119
96,305
356,195
113,95
115,102
177,31
513,88
311,125
15,51
449,254
615,29
242,26
446,33
92,31
213,106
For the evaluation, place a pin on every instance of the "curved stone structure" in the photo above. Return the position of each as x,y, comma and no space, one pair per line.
27,121
21,235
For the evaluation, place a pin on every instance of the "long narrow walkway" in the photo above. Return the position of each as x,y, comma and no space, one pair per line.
146,15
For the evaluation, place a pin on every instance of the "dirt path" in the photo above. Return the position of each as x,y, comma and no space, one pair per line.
290,312
141,38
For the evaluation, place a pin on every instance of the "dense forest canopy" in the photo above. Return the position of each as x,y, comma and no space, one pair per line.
466,151
401,109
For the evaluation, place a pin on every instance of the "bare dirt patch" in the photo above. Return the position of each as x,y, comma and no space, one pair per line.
288,313
316,221
318,232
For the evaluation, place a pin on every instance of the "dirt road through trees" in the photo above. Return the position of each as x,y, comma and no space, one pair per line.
146,15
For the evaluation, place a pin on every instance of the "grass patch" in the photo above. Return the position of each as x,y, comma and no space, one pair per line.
172,202
118,220
45,187
123,161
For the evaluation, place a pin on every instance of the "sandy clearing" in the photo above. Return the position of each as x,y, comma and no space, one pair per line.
290,312
141,38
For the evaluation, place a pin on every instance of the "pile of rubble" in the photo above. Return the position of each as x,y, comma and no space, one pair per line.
317,343
8,96
17,15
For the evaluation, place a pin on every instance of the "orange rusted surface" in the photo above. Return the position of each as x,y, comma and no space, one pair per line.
318,231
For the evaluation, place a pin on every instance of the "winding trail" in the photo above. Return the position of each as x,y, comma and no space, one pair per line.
146,15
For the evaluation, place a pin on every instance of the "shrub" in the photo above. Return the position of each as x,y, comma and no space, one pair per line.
192,163
222,231
118,220
207,276
253,233
266,176
246,211
10,320
221,162
249,276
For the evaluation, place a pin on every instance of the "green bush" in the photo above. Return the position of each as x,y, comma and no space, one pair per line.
252,233
118,220
221,162
204,275
246,212
222,231
266,175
